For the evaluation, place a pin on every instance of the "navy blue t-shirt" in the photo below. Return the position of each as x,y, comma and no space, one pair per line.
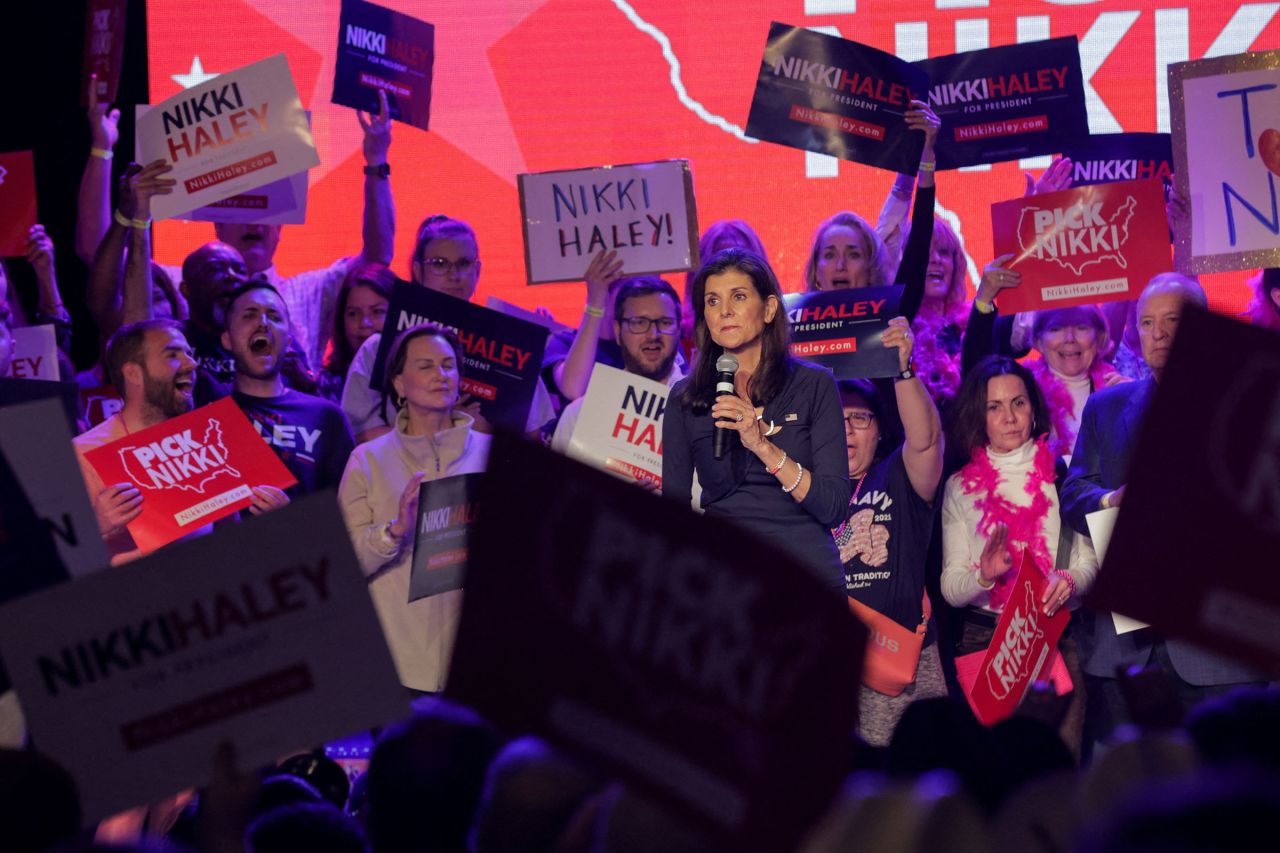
309,434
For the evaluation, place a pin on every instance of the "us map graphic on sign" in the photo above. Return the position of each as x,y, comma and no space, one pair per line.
179,461
1012,663
1078,236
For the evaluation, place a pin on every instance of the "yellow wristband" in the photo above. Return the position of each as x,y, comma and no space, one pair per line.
928,165
1106,501
593,312
983,307
101,153
126,222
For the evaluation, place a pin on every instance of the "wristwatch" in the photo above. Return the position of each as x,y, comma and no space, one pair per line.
909,373
382,170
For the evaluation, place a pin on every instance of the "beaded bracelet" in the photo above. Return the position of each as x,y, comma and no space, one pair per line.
775,469
1069,580
799,476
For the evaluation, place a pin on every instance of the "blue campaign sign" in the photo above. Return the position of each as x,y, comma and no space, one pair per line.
1004,103
825,94
379,49
1109,157
841,330
501,355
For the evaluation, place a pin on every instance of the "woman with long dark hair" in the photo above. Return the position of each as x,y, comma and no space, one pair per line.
1004,503
361,313
784,473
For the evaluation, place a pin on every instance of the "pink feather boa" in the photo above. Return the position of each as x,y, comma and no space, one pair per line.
1057,397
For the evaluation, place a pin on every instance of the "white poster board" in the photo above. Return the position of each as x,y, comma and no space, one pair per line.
644,211
1225,117
237,132
35,353
619,427
262,635
1101,523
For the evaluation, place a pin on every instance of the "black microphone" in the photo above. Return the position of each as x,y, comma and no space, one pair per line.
726,367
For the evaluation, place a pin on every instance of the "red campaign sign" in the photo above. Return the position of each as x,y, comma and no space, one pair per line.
99,403
192,470
1023,649
1091,244
17,201
103,48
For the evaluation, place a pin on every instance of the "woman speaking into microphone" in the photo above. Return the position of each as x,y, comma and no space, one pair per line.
783,471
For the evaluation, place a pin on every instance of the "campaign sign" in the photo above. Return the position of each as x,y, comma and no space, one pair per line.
35,440
1008,102
619,427
713,670
281,202
99,403
1209,525
1109,157
841,329
235,133
1081,246
514,310
821,93
35,353
501,356
264,637
104,22
643,211
446,517
14,391
1021,649
192,470
382,50
1225,117
18,201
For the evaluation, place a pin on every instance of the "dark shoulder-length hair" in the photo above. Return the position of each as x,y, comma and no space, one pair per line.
399,354
968,428
377,278
775,360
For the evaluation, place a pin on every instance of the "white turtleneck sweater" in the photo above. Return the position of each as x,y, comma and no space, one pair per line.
962,544
1080,387
419,633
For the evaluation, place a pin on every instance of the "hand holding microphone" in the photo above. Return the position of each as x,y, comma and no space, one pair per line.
726,369
731,411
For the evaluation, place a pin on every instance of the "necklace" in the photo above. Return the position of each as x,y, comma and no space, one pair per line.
1026,523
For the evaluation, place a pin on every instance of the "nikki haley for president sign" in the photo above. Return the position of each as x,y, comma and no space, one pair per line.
238,131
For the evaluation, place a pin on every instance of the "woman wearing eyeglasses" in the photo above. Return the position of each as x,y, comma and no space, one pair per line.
446,258
782,474
884,539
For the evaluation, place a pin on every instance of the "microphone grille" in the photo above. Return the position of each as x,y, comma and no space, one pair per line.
727,363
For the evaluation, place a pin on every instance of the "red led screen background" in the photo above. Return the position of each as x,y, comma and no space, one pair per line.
533,85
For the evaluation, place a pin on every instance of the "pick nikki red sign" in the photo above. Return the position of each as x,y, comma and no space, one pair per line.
1080,246
192,470
1023,649
17,201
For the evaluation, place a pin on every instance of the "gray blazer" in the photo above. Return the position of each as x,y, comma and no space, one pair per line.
1109,428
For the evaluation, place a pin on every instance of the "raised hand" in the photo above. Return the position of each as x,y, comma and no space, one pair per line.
407,517
996,558
1056,177
40,251
104,123
605,268
996,277
898,336
139,183
377,132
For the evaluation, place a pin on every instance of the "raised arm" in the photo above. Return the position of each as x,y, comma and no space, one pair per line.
49,307
574,373
915,255
93,212
119,291
378,229
922,449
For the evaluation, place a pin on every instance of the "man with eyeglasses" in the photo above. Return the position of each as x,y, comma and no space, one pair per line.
646,329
